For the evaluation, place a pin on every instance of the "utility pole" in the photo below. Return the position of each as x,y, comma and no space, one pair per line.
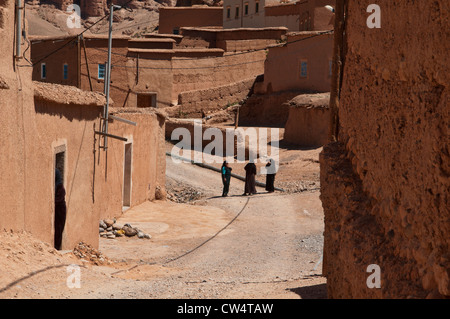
108,75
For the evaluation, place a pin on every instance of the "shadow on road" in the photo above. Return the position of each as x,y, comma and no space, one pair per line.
311,292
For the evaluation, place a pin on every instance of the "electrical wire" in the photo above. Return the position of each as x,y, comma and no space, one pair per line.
75,38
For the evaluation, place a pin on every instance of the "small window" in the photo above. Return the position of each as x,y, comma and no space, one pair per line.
228,12
256,6
176,30
303,69
65,71
43,71
237,12
246,8
101,71
146,100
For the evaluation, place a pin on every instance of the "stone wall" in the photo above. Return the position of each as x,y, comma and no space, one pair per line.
385,183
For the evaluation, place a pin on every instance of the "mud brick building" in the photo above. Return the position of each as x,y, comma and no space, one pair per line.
299,65
302,15
160,71
171,19
46,126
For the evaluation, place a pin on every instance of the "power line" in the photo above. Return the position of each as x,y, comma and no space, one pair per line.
75,38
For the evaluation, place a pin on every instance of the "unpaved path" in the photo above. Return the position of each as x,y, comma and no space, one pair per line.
261,246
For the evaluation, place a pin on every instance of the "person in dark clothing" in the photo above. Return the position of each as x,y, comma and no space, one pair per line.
60,209
250,182
226,177
270,176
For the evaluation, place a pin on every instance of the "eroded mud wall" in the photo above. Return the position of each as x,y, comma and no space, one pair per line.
385,183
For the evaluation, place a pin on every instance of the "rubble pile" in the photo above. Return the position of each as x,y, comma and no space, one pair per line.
87,253
181,193
108,228
299,186
184,196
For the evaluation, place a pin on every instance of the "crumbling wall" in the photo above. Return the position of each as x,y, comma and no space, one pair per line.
385,184
192,103
198,74
266,109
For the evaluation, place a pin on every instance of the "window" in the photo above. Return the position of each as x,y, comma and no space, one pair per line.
228,12
256,6
237,12
65,71
246,8
303,69
146,99
43,71
101,71
176,30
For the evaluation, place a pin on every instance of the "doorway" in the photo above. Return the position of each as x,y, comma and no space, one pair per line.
127,165
60,208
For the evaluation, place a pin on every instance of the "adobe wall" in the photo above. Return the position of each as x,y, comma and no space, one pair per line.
171,18
237,39
268,109
282,67
97,53
308,120
54,65
385,183
283,14
192,103
155,75
16,103
200,74
64,121
148,165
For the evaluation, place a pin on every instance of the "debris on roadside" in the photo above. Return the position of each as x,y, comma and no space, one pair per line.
109,228
87,253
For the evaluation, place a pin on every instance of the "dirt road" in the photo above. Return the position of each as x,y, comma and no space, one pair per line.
260,246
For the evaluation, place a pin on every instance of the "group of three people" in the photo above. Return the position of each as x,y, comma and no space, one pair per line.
250,178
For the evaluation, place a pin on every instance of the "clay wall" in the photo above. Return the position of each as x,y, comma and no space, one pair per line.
155,75
269,109
54,65
63,125
253,19
97,53
283,66
240,39
198,74
171,19
16,103
147,164
192,103
308,120
385,183
284,14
